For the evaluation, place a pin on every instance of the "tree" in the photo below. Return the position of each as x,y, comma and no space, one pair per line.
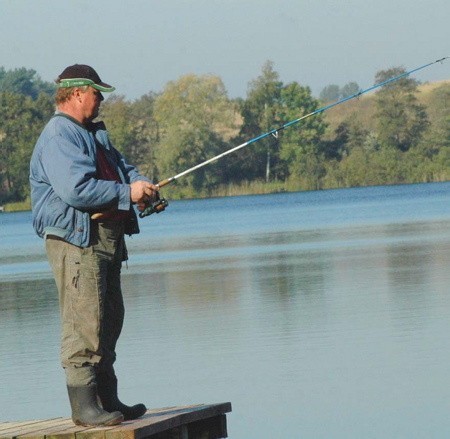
437,136
333,92
146,131
301,145
24,82
133,129
260,113
349,89
364,167
269,105
401,119
196,119
337,148
21,120
330,93
116,112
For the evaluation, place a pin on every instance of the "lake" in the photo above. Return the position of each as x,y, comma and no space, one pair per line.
316,314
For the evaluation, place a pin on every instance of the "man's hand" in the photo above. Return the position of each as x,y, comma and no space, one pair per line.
143,193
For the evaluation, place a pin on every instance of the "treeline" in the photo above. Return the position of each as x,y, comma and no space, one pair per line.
396,135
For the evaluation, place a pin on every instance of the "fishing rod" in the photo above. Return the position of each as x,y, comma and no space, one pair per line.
160,204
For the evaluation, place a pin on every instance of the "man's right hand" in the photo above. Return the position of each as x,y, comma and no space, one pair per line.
143,192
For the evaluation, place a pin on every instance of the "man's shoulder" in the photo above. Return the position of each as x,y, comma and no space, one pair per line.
64,121
60,132
62,126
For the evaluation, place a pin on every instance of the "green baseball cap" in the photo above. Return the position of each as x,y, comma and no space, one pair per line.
79,75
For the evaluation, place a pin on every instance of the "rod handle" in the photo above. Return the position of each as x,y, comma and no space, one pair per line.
165,182
97,215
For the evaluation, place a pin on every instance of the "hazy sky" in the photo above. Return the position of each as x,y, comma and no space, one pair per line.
138,46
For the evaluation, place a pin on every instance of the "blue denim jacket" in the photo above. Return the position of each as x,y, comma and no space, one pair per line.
64,188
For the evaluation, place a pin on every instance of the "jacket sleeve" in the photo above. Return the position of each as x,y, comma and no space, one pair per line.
72,174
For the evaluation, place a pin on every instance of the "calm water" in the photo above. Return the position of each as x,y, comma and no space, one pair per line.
318,315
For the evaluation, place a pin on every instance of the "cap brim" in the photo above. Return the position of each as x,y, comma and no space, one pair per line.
103,87
79,82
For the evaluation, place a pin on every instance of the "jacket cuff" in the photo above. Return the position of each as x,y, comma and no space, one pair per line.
125,198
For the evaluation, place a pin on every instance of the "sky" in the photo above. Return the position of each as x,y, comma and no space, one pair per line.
140,45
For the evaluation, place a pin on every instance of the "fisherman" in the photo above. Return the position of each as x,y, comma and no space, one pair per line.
74,172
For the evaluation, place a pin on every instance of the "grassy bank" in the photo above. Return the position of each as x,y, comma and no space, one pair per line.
18,206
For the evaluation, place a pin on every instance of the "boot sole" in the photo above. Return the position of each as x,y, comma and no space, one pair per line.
114,421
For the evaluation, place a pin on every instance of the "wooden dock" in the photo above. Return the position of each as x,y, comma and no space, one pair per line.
200,421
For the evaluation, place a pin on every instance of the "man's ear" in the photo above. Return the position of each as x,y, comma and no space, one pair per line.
77,94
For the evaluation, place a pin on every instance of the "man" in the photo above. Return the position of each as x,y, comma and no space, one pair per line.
77,175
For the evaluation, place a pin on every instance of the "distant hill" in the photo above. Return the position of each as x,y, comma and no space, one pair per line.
363,108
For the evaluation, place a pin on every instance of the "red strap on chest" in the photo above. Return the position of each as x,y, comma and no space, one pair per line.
105,170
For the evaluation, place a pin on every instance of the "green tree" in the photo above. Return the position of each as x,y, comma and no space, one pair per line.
349,89
24,82
146,131
301,149
437,136
292,152
430,159
260,114
367,167
21,120
336,148
133,129
330,93
116,112
196,119
402,121
333,92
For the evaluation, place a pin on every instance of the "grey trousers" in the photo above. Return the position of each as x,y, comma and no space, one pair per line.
90,300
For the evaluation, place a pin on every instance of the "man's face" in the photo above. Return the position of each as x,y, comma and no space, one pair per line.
91,103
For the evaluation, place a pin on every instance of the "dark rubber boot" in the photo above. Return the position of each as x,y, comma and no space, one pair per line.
107,392
85,408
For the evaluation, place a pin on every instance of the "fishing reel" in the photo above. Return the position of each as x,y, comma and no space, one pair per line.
157,206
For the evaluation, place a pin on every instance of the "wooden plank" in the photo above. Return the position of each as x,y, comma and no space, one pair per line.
14,429
166,419
80,432
64,426
69,433
155,421
11,426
